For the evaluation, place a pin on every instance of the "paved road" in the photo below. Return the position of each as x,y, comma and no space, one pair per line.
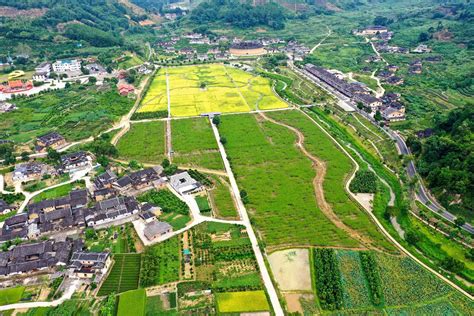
422,193
253,238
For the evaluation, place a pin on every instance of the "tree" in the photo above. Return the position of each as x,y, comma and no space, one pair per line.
165,163
459,221
412,237
104,161
25,156
423,37
223,140
134,164
108,307
90,233
244,196
378,116
452,265
92,80
216,120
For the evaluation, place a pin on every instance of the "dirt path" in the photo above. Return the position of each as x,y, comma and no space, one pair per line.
320,168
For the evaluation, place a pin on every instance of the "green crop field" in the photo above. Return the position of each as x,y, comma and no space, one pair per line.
132,303
123,276
234,302
76,112
194,144
161,263
194,90
144,142
405,287
338,169
221,199
278,179
11,295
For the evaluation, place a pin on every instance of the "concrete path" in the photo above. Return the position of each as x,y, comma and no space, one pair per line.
253,238
66,296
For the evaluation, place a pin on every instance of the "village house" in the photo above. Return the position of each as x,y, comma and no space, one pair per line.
354,91
42,71
393,114
39,256
105,180
140,181
29,171
421,49
76,161
156,229
104,194
7,107
393,68
372,30
415,69
67,65
57,214
95,69
395,81
110,210
5,208
89,264
183,183
52,140
147,216
16,86
14,227
125,89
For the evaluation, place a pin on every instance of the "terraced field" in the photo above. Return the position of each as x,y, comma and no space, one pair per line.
209,88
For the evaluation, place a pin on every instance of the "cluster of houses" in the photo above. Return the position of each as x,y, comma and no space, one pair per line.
16,86
49,256
390,111
237,47
109,201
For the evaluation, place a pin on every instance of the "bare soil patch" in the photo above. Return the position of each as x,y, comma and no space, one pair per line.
291,269
11,12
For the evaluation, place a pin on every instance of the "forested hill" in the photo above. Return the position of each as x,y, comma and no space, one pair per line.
446,159
98,22
241,15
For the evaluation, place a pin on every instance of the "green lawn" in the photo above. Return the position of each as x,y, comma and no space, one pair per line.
58,192
76,112
234,302
132,303
278,180
11,295
194,144
203,204
144,142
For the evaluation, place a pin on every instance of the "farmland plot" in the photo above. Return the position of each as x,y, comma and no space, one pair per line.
278,180
123,276
291,269
338,168
144,142
194,144
209,88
